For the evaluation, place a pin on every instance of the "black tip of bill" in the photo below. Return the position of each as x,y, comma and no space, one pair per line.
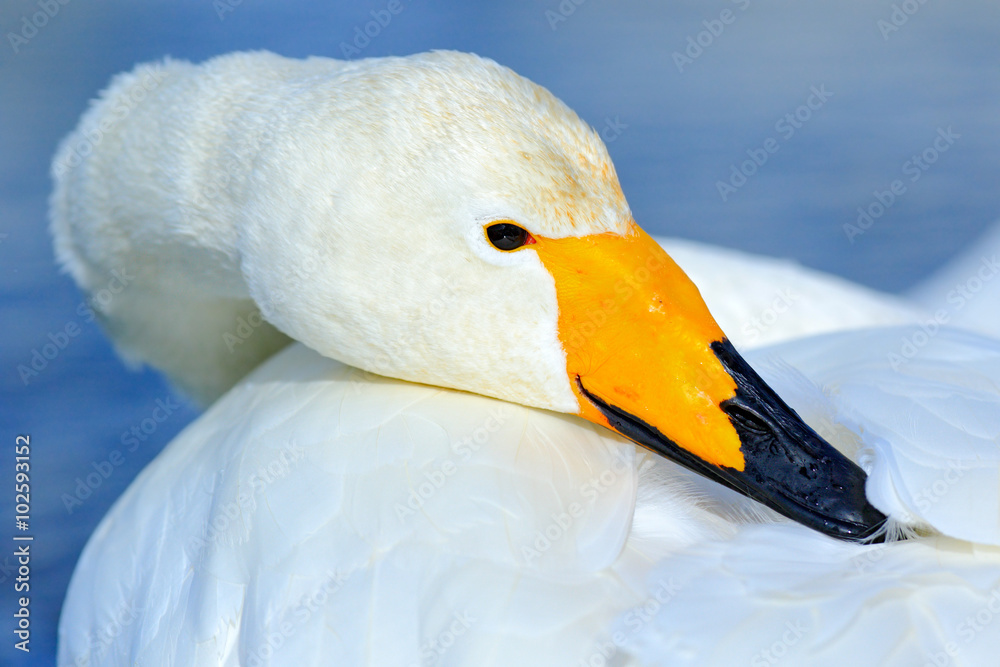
787,465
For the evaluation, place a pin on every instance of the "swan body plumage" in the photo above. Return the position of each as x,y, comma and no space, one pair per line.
317,516
428,464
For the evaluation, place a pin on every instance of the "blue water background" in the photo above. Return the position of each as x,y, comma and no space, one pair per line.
680,132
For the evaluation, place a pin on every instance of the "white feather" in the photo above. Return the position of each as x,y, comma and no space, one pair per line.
302,483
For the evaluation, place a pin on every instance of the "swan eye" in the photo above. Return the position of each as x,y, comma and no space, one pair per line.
508,236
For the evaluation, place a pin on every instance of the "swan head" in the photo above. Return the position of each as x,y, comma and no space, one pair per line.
442,220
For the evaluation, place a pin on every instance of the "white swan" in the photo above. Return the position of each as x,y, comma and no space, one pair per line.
441,220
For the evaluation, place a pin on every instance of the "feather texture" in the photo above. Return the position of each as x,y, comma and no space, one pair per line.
322,519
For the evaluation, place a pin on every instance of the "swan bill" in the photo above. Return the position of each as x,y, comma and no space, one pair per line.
646,358
788,466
